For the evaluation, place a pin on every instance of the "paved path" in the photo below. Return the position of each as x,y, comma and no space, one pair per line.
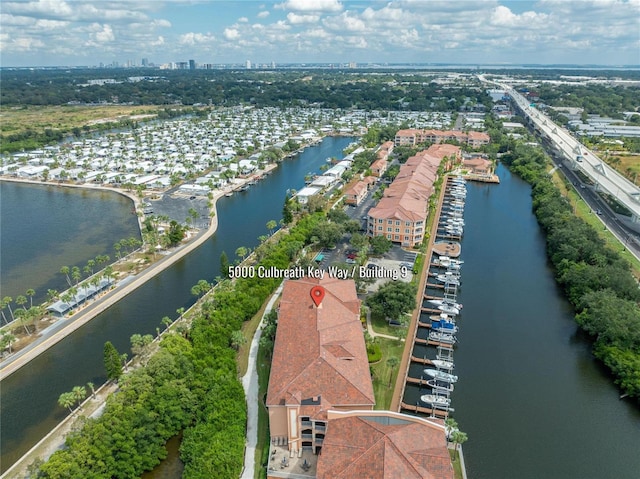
250,385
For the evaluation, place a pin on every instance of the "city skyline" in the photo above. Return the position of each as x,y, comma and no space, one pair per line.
83,33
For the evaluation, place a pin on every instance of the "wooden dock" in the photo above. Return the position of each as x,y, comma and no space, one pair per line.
430,310
430,342
416,381
422,360
425,410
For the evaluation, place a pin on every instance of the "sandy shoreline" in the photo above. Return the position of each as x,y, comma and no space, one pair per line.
12,364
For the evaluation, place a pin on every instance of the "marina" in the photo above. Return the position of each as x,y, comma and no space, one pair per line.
436,327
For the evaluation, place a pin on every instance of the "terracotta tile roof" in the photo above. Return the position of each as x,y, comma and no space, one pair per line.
319,352
381,448
407,197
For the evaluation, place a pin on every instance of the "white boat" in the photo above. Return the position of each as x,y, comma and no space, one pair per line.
442,337
445,302
446,308
455,221
448,279
441,375
435,400
442,364
446,260
443,386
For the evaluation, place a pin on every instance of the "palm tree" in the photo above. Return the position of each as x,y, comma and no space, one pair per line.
79,393
31,293
67,400
166,321
271,225
6,341
242,252
180,312
458,437
6,303
21,301
93,389
65,270
392,363
76,275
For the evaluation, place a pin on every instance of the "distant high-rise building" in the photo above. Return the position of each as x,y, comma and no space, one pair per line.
145,62
248,64
192,64
273,65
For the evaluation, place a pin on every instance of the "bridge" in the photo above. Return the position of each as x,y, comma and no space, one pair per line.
579,157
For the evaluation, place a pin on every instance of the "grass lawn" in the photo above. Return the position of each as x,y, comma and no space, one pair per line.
262,446
381,326
455,461
384,377
584,211
65,118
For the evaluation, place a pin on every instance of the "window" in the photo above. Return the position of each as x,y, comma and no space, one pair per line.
389,229
407,230
397,230
397,222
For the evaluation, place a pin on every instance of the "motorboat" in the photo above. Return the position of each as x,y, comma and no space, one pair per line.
441,375
437,400
442,337
444,327
446,261
442,364
440,386
445,308
448,278
445,302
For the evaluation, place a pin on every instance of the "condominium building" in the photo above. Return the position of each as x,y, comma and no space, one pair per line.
413,137
319,361
401,213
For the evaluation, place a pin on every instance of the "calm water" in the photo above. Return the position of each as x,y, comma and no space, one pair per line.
532,399
43,228
28,403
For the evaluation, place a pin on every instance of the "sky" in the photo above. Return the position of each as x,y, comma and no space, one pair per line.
91,32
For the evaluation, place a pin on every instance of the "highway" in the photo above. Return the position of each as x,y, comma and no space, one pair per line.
578,156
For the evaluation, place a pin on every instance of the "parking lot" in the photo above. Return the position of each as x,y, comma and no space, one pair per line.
395,265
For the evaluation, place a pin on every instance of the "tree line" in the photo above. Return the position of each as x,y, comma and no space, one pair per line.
596,280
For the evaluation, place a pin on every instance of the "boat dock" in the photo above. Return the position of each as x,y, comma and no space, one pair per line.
427,411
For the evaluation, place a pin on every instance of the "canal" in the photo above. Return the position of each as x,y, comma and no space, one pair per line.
28,398
531,397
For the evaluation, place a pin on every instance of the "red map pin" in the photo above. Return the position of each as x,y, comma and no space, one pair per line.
317,294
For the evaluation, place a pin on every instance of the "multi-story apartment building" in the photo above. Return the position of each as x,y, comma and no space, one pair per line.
413,137
401,214
319,361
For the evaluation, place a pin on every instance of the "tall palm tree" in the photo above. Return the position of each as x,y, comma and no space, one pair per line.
392,363
67,400
65,270
6,303
31,293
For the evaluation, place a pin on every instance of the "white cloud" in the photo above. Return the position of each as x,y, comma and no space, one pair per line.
231,33
296,19
345,21
105,35
312,5
243,20
263,14
193,38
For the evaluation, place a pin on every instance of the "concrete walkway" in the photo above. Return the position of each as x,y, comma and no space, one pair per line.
250,385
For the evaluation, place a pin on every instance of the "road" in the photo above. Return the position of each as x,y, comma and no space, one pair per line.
604,177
